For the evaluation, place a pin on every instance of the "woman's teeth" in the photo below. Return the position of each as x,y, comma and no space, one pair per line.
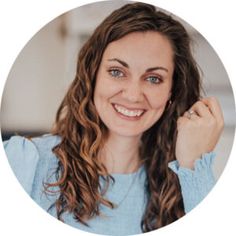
126,112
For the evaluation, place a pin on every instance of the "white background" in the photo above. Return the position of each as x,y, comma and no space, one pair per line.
20,20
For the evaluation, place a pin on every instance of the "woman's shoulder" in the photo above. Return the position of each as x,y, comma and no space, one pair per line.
29,148
22,145
46,142
26,156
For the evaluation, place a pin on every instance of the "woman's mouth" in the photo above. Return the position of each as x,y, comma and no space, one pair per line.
132,114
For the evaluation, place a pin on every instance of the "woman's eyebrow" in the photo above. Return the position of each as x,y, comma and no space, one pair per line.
120,61
157,68
147,70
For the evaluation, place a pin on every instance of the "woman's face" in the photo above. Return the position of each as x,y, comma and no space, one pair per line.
134,82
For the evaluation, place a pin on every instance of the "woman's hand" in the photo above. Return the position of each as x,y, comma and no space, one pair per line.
199,130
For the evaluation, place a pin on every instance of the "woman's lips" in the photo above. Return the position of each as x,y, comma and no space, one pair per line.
128,113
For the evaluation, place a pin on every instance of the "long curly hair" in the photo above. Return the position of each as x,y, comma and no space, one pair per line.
83,133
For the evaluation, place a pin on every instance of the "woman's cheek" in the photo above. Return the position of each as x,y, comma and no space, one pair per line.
158,100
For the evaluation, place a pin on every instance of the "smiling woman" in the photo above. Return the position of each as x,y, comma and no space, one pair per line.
133,140
129,83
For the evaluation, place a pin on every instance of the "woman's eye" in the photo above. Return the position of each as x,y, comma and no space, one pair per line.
116,73
154,79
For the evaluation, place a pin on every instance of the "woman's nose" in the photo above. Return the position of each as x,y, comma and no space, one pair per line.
133,92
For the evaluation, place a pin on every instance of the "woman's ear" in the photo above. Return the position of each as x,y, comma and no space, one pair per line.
169,101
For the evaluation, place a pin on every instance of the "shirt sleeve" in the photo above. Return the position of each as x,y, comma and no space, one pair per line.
195,184
23,157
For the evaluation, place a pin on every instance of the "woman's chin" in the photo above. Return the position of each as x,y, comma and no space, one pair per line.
127,133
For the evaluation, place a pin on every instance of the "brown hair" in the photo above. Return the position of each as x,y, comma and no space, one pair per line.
83,133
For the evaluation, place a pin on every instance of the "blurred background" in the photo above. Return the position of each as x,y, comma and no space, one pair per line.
46,66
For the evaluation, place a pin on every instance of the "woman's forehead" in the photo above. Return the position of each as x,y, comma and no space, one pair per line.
141,48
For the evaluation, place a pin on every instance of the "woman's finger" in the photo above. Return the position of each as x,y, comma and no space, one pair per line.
190,114
214,107
201,109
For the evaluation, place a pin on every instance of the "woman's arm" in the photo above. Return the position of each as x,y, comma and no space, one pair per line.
195,183
23,157
199,130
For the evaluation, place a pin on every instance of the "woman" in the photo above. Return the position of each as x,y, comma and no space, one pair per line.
131,149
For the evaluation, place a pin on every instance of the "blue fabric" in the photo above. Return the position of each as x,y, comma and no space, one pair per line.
34,164
195,184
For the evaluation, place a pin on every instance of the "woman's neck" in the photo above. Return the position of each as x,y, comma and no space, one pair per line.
121,154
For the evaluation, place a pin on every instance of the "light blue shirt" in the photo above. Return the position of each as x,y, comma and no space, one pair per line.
33,164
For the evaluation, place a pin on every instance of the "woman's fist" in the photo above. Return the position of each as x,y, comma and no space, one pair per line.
199,130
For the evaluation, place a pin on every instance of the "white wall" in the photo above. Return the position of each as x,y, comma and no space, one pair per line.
35,83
